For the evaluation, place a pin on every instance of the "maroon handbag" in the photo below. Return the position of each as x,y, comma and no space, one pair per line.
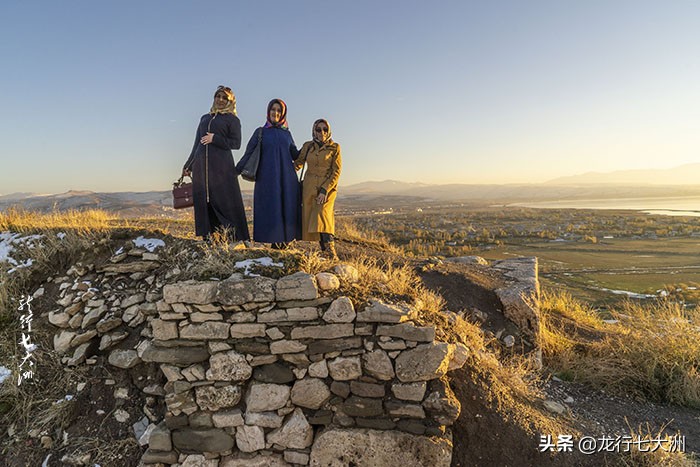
182,194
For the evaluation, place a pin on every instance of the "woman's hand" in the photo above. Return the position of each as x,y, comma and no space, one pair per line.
321,198
207,139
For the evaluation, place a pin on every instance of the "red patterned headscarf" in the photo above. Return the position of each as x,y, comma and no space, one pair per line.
283,120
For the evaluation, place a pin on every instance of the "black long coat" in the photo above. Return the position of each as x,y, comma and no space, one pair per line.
217,195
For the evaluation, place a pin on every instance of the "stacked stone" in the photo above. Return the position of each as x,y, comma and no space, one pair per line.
100,307
254,364
520,298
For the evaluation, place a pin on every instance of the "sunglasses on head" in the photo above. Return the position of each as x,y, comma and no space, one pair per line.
321,130
221,87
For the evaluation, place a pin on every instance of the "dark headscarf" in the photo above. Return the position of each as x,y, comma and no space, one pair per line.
314,135
283,120
231,107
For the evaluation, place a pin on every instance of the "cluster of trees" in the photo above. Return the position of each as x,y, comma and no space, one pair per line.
450,231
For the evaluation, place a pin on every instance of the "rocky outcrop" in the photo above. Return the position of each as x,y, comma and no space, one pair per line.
521,298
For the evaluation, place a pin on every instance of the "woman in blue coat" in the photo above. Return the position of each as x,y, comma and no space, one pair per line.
277,193
218,203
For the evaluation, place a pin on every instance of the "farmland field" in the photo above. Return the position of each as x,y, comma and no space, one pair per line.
601,256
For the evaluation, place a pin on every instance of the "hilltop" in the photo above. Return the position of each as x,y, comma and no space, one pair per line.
501,413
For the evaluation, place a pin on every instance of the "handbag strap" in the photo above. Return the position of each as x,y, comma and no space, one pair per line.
306,163
180,180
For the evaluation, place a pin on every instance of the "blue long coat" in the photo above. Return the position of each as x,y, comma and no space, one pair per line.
217,195
277,193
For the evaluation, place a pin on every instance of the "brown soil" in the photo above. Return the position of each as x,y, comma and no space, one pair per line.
486,435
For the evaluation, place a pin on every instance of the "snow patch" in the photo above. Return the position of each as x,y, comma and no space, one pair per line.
248,263
4,373
628,293
149,243
68,397
8,242
24,264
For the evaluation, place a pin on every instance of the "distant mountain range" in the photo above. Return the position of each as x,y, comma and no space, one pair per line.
613,185
688,174
513,192
151,203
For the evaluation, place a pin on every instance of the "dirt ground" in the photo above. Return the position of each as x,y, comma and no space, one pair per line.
484,437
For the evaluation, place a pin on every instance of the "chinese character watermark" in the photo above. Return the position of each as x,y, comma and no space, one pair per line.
624,443
26,367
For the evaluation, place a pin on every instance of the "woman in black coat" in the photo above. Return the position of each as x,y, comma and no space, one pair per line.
218,203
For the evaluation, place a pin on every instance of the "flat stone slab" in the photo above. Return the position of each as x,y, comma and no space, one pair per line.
235,291
408,331
424,363
128,268
328,331
261,460
211,440
197,292
375,448
298,286
182,355
380,312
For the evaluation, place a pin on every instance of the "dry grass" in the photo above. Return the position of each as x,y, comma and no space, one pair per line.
312,262
19,220
182,228
651,351
650,448
107,453
348,230
33,408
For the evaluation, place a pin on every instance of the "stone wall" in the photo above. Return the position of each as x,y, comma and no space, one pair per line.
268,372
521,298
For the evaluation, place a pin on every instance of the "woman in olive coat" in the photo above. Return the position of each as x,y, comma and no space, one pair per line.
320,186
218,203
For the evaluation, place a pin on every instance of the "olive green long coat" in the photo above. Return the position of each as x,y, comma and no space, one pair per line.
322,171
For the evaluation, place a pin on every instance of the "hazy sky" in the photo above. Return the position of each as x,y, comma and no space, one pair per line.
106,96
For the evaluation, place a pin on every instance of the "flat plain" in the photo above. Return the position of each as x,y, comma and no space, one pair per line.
600,256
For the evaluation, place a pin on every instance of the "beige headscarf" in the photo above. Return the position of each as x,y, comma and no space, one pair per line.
231,107
314,135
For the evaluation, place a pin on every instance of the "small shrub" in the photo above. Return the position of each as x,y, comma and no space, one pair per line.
648,350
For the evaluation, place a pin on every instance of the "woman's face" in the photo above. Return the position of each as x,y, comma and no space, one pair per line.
220,100
275,112
321,131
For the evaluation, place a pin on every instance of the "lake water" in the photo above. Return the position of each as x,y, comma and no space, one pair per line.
676,206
